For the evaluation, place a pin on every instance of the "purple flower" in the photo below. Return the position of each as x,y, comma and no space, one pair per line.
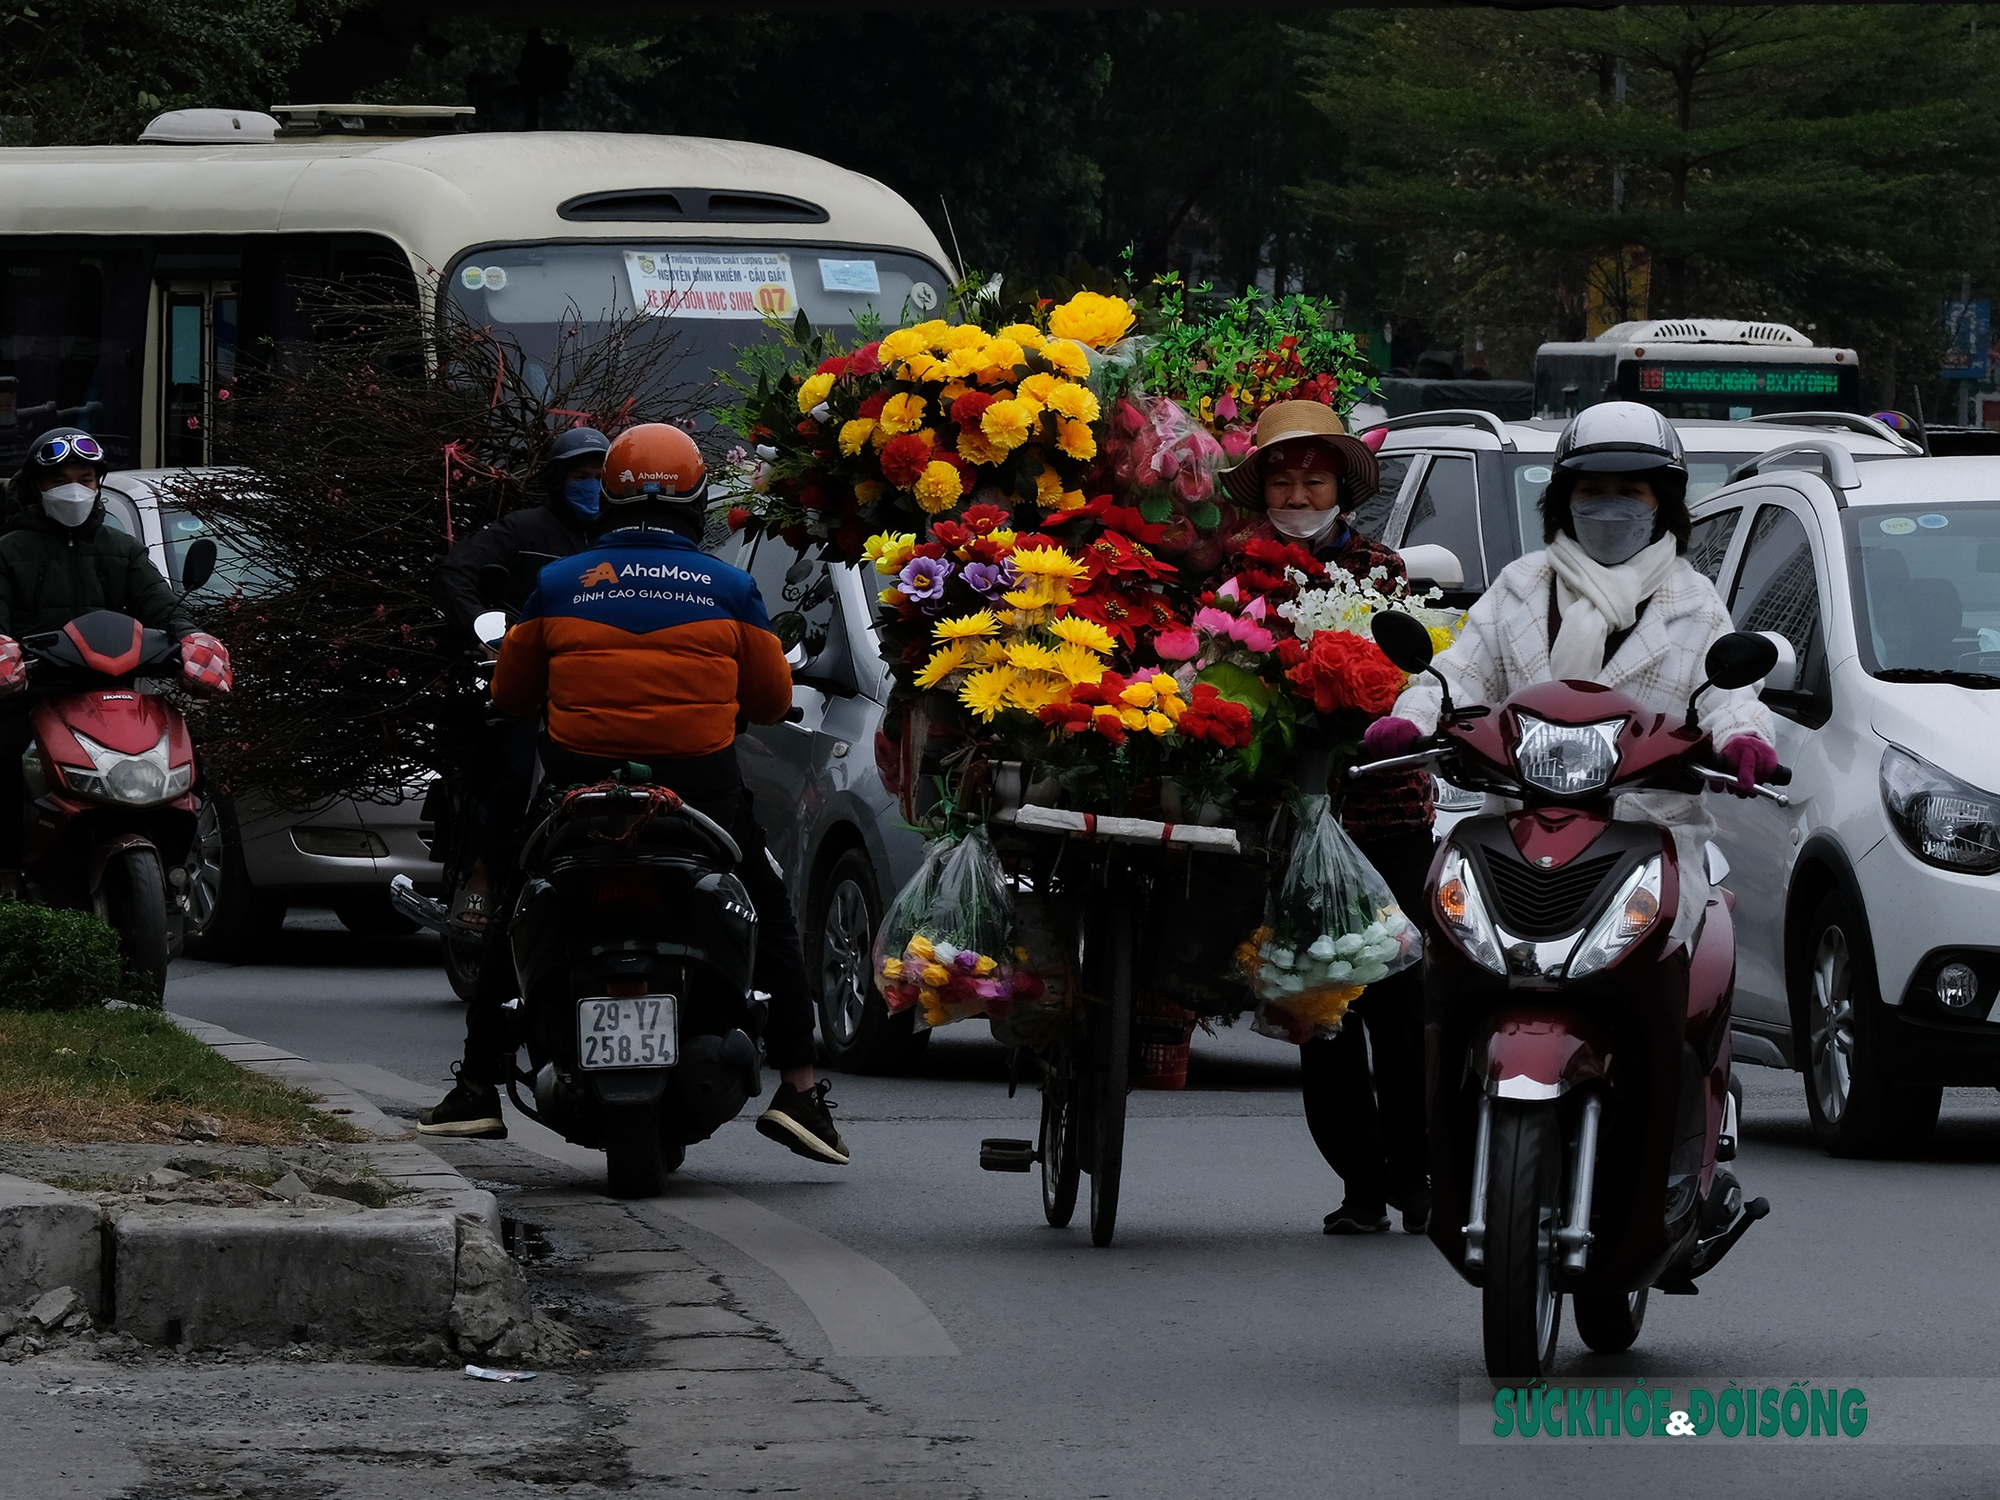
984,578
924,577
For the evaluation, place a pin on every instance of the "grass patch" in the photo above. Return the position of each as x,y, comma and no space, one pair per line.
118,1075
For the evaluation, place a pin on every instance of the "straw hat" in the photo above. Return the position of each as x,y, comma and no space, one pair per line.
1290,421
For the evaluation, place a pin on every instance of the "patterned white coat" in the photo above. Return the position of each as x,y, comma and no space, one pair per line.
1505,647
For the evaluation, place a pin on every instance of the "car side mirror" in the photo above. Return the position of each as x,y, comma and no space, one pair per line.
490,629
198,565
1784,674
496,586
1403,640
1431,563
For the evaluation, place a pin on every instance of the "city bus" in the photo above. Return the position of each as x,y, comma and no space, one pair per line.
1708,368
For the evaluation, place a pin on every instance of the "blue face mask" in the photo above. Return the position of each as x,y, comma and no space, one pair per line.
584,496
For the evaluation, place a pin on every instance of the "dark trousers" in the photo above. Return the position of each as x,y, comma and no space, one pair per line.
14,738
711,784
495,801
1368,1121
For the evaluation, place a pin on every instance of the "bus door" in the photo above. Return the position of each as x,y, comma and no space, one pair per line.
198,343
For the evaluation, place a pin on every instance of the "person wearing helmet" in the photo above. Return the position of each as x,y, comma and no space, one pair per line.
662,674
63,559
1610,600
523,542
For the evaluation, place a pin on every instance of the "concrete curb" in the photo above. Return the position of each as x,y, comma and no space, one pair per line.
49,1239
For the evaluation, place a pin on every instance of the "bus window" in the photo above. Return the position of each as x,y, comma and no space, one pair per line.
72,343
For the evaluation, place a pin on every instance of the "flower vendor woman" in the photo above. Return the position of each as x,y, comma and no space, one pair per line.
1303,477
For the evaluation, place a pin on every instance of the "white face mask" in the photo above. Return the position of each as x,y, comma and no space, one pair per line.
69,504
1304,525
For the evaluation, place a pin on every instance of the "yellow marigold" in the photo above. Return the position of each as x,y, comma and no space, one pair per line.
1073,401
1067,357
963,363
1076,439
1046,562
968,627
985,691
901,413
854,435
1001,356
1030,657
1079,665
889,550
1039,385
1071,500
976,448
1092,318
1027,335
921,367
939,486
1034,691
944,661
870,490
814,391
920,946
1159,723
933,333
963,336
900,345
1006,423
1048,489
1088,634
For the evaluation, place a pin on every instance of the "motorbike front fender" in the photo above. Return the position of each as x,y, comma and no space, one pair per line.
104,852
1541,1054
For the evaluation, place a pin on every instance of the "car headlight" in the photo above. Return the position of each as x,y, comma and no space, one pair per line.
1633,909
115,776
1567,759
1944,821
1464,913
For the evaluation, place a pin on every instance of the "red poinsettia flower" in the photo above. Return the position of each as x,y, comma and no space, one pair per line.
1114,610
984,519
1117,554
1092,510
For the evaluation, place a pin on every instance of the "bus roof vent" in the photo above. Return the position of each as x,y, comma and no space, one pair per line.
340,121
1704,331
690,206
208,127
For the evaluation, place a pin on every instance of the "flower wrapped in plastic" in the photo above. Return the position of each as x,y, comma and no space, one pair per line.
945,948
1337,929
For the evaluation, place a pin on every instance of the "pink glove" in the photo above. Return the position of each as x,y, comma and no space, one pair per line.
205,663
13,670
1387,738
1752,760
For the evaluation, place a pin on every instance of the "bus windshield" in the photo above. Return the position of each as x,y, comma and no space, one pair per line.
711,298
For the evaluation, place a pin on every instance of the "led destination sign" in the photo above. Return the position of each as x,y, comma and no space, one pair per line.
1739,380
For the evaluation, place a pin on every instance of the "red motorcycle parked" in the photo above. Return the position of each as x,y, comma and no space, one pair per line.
1577,1062
110,808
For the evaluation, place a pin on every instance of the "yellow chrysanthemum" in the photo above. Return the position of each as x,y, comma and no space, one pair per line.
985,691
975,448
870,490
933,333
968,627
1072,500
952,391
993,653
1075,439
964,336
1067,357
1159,723
1027,335
1088,634
854,435
944,661
1034,691
1046,562
814,391
939,486
1073,401
1048,489
922,367
1006,423
1030,657
1039,385
1092,318
900,345
961,364
1002,355
890,550
901,413
1078,664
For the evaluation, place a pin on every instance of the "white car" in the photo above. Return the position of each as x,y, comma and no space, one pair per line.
1868,911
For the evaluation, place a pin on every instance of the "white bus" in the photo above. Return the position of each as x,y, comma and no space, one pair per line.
1713,368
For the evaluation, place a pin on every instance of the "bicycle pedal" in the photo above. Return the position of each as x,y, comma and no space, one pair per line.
998,1155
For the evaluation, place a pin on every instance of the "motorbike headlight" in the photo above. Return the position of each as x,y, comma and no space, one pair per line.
1633,909
1567,759
139,780
1463,912
1944,821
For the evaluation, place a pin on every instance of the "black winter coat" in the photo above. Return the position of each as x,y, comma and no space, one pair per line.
526,541
51,573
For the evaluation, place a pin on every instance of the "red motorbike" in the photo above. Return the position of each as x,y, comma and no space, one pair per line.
1577,1059
109,776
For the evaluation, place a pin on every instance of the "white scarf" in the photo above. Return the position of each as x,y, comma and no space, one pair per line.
1593,600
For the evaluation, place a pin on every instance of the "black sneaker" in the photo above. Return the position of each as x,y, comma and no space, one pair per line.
1353,1217
803,1122
466,1112
1417,1216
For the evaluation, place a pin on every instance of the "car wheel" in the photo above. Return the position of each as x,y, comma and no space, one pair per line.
859,1033
367,913
1855,1109
228,919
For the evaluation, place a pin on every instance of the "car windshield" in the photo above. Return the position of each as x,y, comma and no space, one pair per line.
1528,475
710,298
1927,587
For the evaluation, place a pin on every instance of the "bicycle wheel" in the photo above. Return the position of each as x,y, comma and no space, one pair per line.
1112,1076
1062,1162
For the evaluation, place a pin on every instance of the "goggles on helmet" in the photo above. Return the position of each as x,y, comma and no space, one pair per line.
58,450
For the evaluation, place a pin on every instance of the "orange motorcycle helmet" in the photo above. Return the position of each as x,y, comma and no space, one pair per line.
654,461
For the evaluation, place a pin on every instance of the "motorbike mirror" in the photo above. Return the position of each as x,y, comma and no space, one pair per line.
801,570
791,630
198,566
1739,659
1403,640
496,586
491,628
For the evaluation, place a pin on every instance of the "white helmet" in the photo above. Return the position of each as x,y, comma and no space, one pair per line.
1619,437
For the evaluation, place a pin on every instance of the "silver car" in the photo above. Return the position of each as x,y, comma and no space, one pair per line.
257,859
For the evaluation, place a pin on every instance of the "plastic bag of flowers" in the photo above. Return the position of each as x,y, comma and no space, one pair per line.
957,959
1044,963
1336,929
